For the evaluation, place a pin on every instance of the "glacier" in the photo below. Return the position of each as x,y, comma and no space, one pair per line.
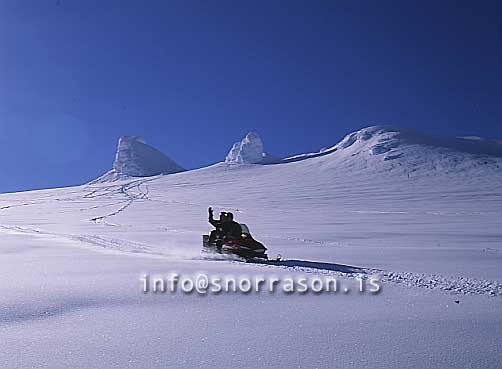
421,212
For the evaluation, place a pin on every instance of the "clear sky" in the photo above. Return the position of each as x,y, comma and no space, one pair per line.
192,77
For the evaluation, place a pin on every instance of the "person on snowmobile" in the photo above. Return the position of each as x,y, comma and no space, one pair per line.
225,226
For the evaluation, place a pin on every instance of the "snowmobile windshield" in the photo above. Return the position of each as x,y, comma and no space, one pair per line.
245,228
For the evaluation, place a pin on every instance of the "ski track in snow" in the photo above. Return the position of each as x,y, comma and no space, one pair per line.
305,240
100,243
455,285
126,190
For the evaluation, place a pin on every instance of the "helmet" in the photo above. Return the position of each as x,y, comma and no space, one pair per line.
226,216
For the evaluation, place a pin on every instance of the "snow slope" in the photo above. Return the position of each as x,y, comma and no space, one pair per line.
423,214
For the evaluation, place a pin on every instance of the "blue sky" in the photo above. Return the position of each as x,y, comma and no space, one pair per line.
192,77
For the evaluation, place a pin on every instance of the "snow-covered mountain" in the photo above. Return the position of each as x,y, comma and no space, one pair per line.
382,148
134,158
386,148
391,140
250,150
389,149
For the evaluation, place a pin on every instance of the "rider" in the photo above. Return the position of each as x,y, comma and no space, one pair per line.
226,226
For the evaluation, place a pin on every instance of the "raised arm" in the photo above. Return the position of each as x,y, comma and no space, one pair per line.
214,222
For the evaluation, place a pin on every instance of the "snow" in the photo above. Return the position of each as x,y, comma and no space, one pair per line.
396,142
134,158
420,212
247,151
250,151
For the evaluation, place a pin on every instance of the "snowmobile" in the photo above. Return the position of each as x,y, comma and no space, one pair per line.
245,247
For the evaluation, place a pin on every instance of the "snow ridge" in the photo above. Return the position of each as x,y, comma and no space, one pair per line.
381,139
387,148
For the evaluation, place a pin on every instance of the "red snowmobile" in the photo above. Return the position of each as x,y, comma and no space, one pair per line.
245,247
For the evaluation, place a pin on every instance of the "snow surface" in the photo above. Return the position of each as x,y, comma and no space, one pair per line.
134,158
424,214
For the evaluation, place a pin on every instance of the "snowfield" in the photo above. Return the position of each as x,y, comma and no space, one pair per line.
423,214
